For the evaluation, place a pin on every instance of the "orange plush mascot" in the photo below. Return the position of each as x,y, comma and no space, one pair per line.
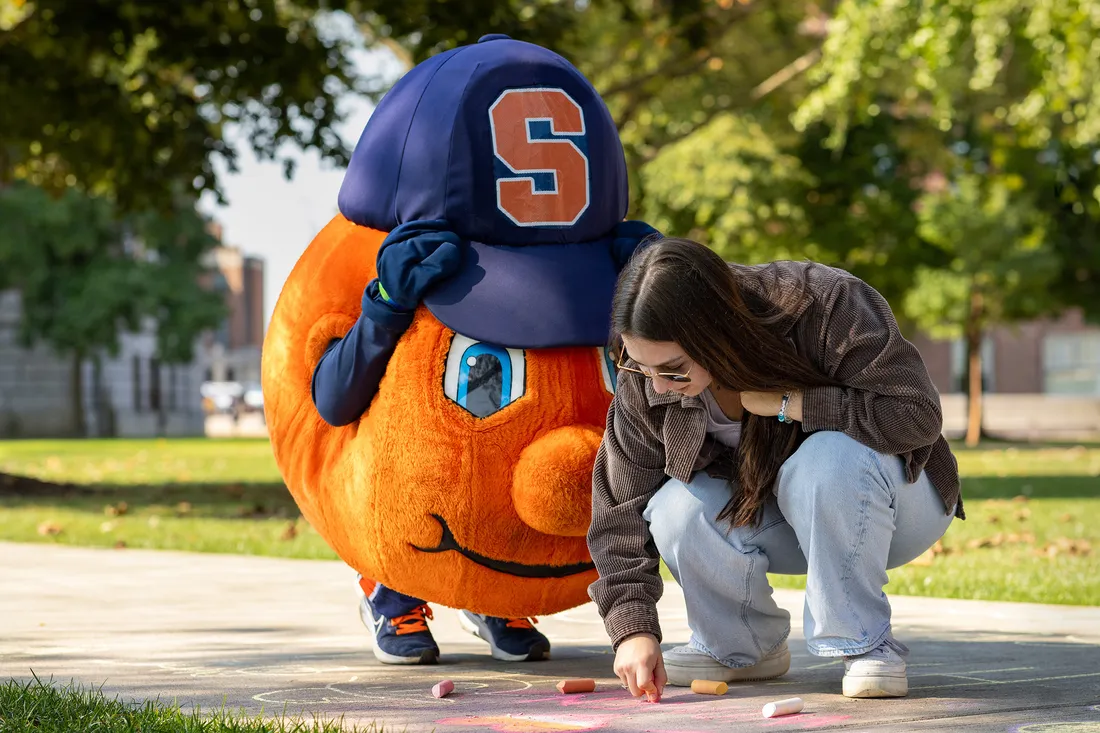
435,373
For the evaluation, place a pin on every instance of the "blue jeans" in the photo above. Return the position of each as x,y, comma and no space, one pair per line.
841,514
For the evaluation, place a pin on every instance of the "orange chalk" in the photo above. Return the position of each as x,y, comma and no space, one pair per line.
568,687
707,687
444,688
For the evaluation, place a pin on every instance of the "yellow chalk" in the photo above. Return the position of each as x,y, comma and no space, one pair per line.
707,687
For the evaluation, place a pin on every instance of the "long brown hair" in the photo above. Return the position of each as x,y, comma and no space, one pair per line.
679,290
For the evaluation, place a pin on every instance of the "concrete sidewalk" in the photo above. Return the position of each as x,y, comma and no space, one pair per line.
263,633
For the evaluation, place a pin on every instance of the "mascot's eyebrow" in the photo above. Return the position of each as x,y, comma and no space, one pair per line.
448,542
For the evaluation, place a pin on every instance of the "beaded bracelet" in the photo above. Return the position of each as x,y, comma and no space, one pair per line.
783,408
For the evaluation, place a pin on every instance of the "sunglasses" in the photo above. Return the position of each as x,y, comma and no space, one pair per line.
671,377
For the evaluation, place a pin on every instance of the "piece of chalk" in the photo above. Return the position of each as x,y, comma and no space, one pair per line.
707,687
444,688
568,687
790,706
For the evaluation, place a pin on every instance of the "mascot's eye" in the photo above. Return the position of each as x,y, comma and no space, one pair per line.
484,378
607,368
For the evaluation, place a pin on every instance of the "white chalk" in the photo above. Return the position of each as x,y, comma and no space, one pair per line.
789,706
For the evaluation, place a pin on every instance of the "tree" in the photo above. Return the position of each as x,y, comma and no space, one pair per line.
1001,268
756,191
666,70
999,101
86,275
132,99
663,68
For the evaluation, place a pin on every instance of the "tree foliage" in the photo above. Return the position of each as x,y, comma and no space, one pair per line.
132,98
996,248
86,275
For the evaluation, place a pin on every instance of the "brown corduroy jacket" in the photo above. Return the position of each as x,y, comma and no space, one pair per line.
886,401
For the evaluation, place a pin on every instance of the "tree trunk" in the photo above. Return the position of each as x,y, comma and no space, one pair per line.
77,391
974,370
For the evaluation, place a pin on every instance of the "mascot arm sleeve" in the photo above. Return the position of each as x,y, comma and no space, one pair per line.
630,467
347,376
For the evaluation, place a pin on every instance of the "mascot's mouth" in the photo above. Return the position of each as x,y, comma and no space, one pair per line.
448,542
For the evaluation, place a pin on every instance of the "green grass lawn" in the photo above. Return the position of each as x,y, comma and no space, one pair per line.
195,494
38,707
1031,534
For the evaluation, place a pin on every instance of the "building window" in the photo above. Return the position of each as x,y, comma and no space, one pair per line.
154,385
1071,363
173,402
135,367
958,365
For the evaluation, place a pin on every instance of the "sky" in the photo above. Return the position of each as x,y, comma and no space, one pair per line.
275,218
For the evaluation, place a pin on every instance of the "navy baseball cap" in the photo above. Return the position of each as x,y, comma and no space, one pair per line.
509,143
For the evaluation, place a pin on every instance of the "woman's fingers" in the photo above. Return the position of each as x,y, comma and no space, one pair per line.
643,680
660,676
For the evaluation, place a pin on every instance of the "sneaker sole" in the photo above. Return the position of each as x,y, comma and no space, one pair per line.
767,669
476,627
428,656
869,687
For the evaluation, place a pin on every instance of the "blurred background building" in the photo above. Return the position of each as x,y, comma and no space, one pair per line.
132,394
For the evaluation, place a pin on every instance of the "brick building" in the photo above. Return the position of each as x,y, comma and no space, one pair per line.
1056,357
231,353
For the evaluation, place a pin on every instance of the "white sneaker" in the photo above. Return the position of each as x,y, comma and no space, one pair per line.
685,664
878,673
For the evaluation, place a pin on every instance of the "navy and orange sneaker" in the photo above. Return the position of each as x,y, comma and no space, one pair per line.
510,639
403,639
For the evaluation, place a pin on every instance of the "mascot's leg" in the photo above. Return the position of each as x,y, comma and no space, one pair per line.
510,639
399,624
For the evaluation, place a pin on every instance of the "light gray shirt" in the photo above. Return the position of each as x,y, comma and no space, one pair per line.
719,426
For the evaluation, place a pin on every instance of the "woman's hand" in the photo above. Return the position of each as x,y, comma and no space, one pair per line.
767,404
640,666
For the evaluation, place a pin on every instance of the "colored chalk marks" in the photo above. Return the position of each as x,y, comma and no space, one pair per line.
525,723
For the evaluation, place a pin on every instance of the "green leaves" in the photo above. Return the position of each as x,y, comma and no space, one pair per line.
131,99
86,275
997,244
1024,66
730,185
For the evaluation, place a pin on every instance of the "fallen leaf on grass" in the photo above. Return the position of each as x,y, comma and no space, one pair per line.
930,554
49,528
120,545
1023,515
994,519
290,532
1025,538
184,507
1065,546
116,510
1065,518
1020,498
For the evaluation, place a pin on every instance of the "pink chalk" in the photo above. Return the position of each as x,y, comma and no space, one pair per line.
444,688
